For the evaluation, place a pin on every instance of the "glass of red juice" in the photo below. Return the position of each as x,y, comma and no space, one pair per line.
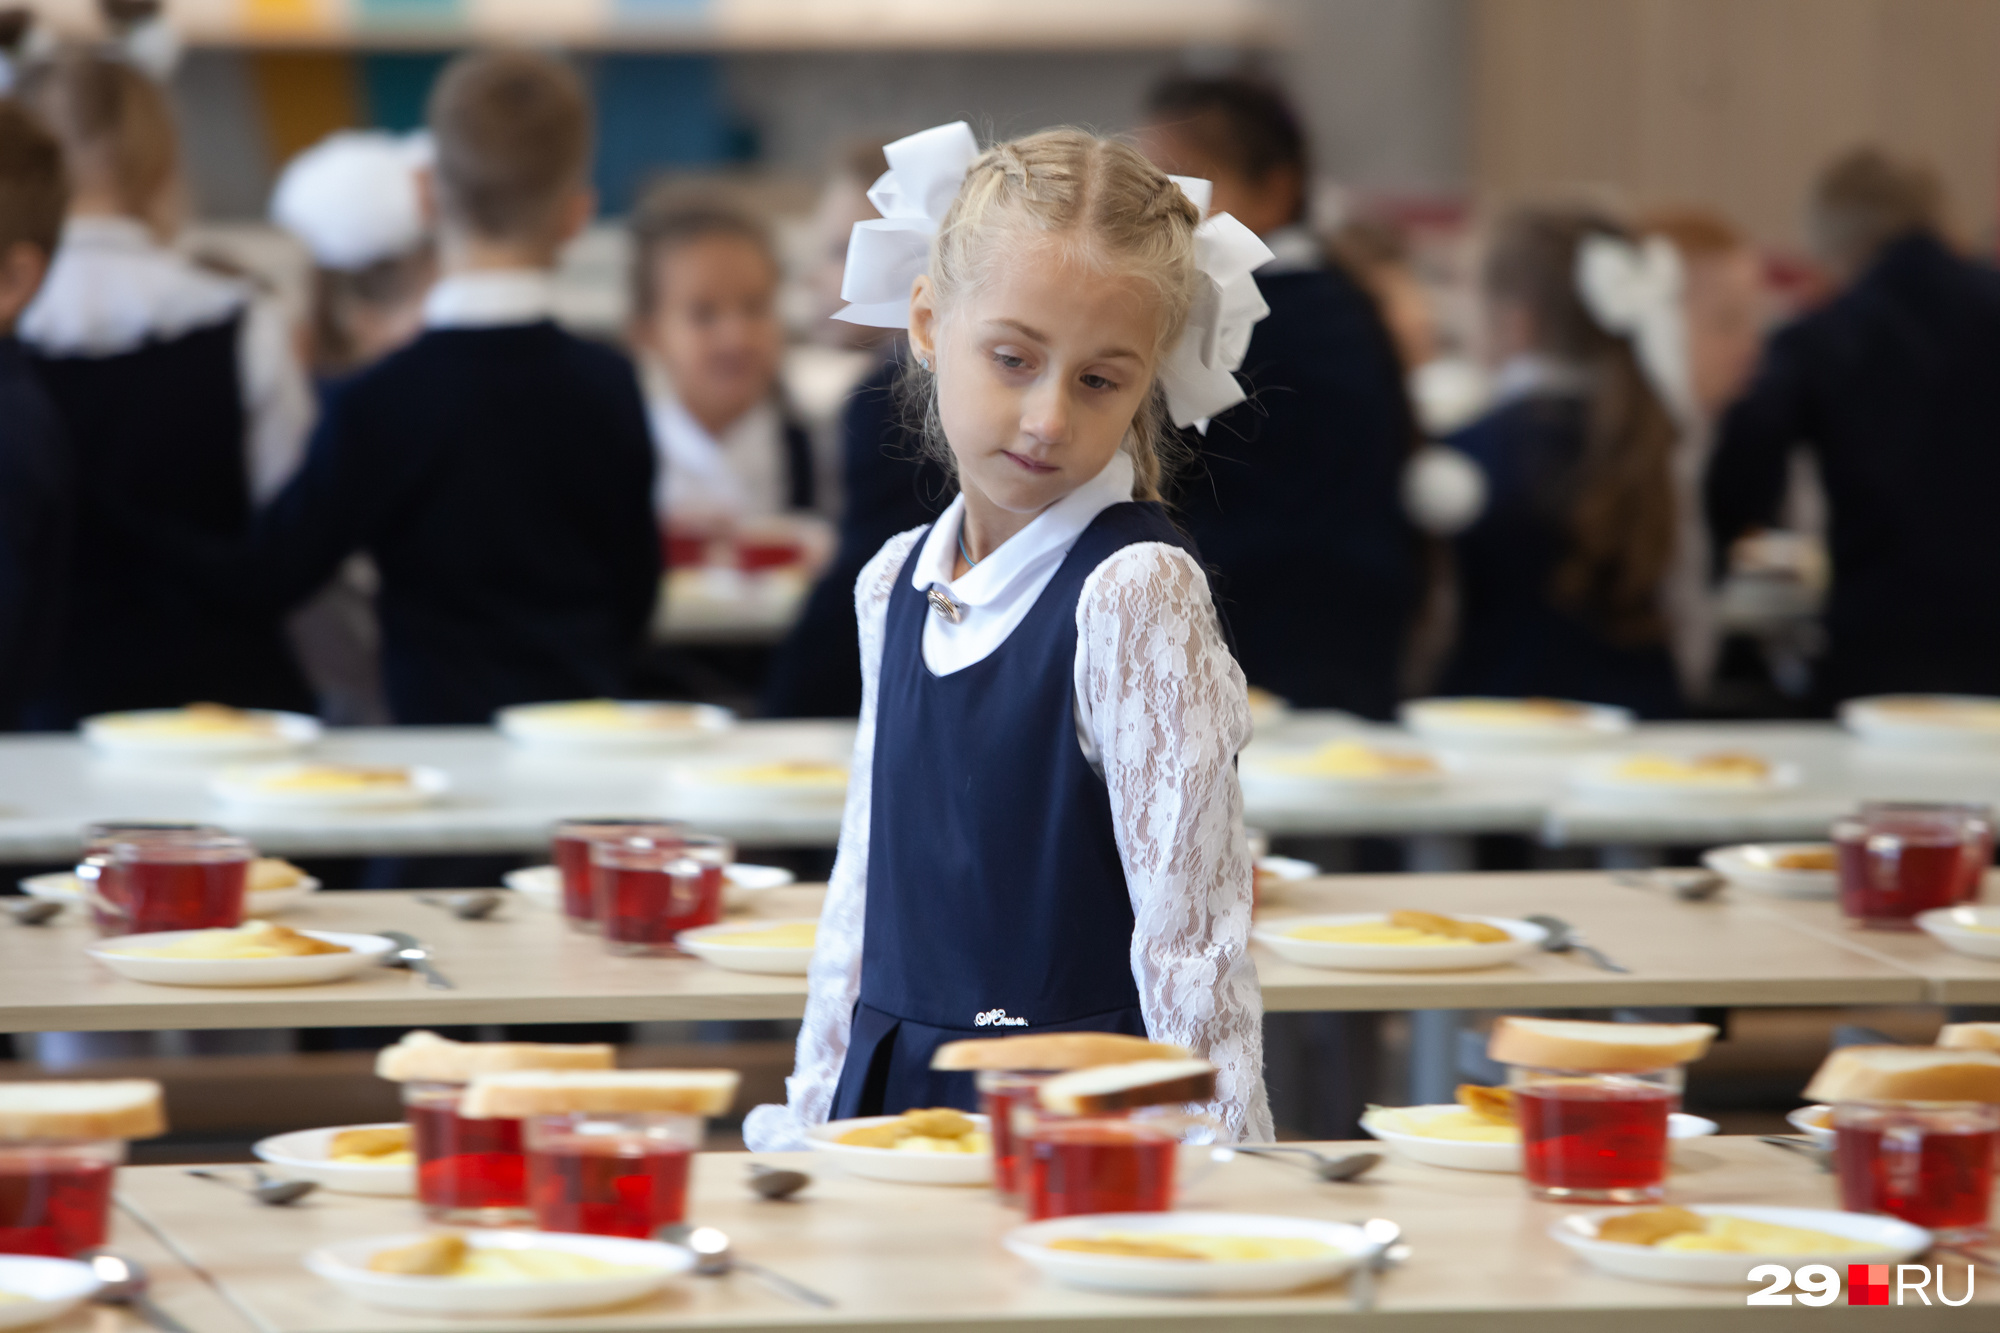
1594,1137
1003,1095
1898,859
1096,1164
570,846
96,873
1977,819
184,880
469,1172
610,1175
1930,1163
649,889
55,1197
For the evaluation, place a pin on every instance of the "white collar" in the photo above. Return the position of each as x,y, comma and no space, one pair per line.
111,288
490,298
1294,249
1537,374
1025,555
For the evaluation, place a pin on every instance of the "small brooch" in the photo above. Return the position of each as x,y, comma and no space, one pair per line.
944,606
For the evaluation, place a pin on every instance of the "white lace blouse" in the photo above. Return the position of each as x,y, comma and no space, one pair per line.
1163,704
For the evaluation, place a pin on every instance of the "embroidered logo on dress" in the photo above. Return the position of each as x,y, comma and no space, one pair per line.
997,1018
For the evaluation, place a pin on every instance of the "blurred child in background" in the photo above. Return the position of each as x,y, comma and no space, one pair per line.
35,480
182,399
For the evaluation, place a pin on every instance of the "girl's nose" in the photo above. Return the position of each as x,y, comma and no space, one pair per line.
1045,413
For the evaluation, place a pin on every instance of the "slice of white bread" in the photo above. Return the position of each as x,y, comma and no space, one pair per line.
1052,1050
425,1057
112,1108
604,1092
1907,1074
1564,1043
1970,1036
1122,1087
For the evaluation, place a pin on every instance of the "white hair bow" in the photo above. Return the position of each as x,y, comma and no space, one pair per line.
1635,291
353,197
886,255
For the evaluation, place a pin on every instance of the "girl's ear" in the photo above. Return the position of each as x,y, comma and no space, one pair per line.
923,320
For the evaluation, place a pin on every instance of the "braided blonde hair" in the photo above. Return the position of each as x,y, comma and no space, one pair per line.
1109,208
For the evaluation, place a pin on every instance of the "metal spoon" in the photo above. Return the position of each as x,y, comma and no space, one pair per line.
1803,1147
713,1258
774,1182
1343,1169
411,953
1383,1236
1687,884
125,1283
1563,938
472,905
276,1193
33,911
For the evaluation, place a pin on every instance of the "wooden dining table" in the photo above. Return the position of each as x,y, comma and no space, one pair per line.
910,1256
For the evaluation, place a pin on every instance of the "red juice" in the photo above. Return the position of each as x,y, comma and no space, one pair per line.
650,907
165,894
1592,1137
999,1104
466,1165
1894,866
573,862
608,1189
1099,1167
1933,1177
753,554
53,1203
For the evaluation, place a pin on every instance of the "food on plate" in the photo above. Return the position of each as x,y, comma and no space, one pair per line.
1970,1036
1455,1123
1732,767
790,935
612,715
1123,1087
257,939
1352,759
448,1256
433,1256
13,1297
1907,1073
524,1093
331,778
195,720
1196,1247
1815,858
938,1130
785,773
1422,929
113,1108
1052,1050
1556,712
1963,712
268,874
1563,1043
1491,1104
387,1146
1681,1229
425,1057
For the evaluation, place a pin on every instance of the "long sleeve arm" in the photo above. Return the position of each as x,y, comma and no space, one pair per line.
1166,705
1746,477
835,978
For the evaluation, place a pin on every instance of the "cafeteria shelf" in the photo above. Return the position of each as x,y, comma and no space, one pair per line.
912,1256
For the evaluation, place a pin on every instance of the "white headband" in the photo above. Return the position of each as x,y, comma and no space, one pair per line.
1635,291
353,198
886,255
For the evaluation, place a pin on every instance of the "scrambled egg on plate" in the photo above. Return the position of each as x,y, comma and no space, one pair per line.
334,778
1351,759
1683,1229
790,935
259,939
612,715
937,1130
448,1256
784,773
193,720
1406,928
1727,768
1195,1246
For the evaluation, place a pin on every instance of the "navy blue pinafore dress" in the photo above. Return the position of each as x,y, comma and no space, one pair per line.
997,902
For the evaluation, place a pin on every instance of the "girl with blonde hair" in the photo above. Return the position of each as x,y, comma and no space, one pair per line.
1044,830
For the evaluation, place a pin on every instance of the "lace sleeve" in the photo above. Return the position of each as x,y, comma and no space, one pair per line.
835,978
1166,705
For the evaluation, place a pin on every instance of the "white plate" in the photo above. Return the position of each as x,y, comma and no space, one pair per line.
1274,936
345,1264
902,1168
750,780
1949,927
1448,722
1878,719
545,726
1600,777
1815,1122
302,1155
1286,868
1265,771
364,952
290,731
740,883
1895,1241
1754,866
53,1287
1181,1277
1462,1155
242,787
740,958
62,886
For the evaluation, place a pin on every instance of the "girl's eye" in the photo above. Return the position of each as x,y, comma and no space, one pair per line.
1011,361
1098,382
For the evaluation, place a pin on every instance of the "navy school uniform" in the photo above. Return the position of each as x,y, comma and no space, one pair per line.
997,900
1513,640
36,498
157,434
501,479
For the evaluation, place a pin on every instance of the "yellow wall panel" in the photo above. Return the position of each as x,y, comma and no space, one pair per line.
306,95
